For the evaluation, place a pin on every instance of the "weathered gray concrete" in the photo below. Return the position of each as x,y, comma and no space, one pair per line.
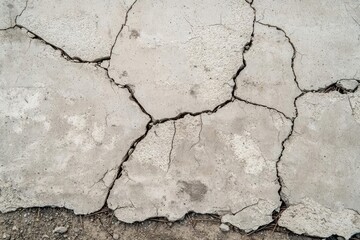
64,129
85,30
325,34
268,78
9,10
180,56
320,166
220,163
66,125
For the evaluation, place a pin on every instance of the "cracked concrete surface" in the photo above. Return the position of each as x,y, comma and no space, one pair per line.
85,31
249,110
325,137
64,128
272,53
325,34
9,12
188,52
222,163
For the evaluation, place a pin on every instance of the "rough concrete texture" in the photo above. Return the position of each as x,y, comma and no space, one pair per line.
181,56
64,129
326,138
268,78
84,30
245,111
222,163
324,33
9,11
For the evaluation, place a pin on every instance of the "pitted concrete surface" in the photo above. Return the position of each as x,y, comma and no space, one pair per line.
64,128
178,168
188,52
244,110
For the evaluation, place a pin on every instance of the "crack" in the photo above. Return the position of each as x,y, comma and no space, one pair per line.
264,106
121,29
245,49
63,54
292,46
16,17
335,87
248,206
26,4
199,135
124,160
284,203
172,147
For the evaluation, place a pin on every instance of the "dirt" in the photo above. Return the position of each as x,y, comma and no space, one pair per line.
40,223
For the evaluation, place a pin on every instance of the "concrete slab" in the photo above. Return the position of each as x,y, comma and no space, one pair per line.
222,163
324,33
180,56
85,30
268,78
64,129
320,166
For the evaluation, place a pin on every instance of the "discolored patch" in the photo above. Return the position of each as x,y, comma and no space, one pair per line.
195,189
134,34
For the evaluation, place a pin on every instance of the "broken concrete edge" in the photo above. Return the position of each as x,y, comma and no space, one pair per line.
245,49
335,86
277,216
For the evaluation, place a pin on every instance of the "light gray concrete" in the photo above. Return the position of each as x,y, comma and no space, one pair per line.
159,94
64,129
320,166
180,56
85,30
268,78
220,163
325,34
9,10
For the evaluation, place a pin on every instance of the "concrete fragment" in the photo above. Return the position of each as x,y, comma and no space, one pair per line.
325,35
314,219
224,227
268,78
220,163
9,10
320,166
85,30
180,56
347,84
64,129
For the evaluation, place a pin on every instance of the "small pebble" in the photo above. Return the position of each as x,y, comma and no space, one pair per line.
14,228
6,236
224,227
60,230
116,236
